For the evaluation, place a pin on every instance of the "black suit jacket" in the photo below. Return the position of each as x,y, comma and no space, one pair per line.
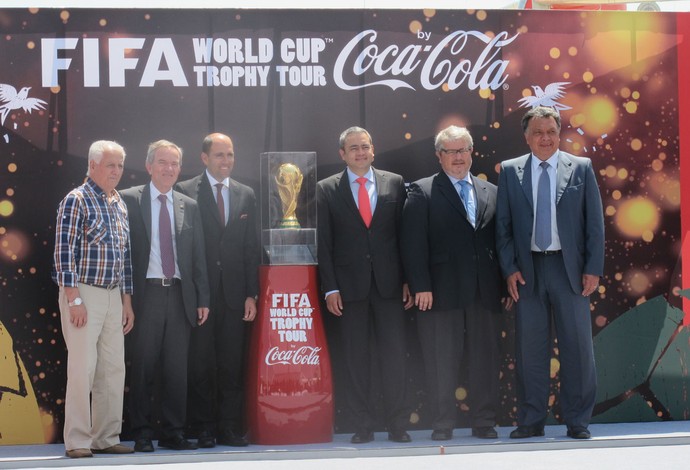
232,250
349,252
189,242
442,252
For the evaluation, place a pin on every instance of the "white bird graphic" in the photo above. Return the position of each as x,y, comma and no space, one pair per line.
548,97
12,100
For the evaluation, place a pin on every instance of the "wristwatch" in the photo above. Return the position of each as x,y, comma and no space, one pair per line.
75,302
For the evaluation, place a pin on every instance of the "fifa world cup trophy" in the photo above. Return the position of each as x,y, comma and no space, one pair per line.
289,181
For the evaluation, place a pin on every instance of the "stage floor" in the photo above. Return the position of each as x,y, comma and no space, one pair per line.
655,444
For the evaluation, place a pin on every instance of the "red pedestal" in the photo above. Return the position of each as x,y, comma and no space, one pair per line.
289,386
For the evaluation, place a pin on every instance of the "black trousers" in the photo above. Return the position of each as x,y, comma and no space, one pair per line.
385,319
444,336
160,341
216,370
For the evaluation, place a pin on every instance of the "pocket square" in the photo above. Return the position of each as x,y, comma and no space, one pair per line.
243,216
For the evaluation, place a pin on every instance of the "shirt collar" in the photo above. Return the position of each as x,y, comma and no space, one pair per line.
454,180
552,161
369,175
155,193
214,182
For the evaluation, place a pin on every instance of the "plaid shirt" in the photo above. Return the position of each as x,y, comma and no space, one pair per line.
92,240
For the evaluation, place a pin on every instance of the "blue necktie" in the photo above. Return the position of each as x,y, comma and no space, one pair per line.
542,236
465,189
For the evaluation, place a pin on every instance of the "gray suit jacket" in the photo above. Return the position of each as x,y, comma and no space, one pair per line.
579,218
189,240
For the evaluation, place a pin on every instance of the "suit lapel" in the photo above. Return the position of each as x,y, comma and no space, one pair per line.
482,199
207,197
524,174
145,206
382,192
178,210
446,188
234,202
346,195
563,173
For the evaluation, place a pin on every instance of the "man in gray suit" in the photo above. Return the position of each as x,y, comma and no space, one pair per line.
171,295
550,239
359,211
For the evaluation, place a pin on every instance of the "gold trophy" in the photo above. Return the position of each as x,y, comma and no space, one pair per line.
289,181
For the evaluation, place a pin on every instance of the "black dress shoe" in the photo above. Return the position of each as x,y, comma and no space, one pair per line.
206,440
362,437
579,432
485,432
177,443
442,435
399,436
522,432
229,438
143,445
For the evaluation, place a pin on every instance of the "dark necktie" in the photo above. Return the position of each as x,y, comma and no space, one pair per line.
542,236
363,201
166,241
220,202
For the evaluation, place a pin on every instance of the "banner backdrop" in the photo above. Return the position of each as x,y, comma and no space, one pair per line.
292,80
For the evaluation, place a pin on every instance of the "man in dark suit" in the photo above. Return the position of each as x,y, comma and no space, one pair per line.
449,254
359,214
171,295
216,356
550,239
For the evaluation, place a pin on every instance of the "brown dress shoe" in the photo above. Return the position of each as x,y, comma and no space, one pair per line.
116,449
78,453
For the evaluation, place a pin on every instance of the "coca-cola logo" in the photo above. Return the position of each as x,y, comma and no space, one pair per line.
306,355
486,71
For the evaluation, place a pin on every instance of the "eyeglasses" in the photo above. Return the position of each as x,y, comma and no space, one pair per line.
454,152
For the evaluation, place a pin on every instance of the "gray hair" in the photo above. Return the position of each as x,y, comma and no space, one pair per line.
352,130
99,147
451,133
160,144
540,112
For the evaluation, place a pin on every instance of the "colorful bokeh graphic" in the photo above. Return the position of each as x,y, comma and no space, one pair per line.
612,75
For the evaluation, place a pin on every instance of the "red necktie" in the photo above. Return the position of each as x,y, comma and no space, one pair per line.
166,241
221,203
363,201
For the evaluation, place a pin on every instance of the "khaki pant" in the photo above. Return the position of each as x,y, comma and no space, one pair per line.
95,370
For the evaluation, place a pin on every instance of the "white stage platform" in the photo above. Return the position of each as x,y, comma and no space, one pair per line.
658,444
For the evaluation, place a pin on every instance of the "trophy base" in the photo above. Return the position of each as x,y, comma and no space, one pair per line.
290,223
285,246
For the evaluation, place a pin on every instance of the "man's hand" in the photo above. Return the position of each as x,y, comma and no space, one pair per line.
507,303
334,304
512,282
424,300
590,282
127,313
408,300
201,315
77,315
249,309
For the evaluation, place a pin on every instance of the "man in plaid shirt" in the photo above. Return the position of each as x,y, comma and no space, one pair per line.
92,266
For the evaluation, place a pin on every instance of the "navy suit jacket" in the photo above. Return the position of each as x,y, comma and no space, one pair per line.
189,241
232,250
579,218
349,252
442,252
